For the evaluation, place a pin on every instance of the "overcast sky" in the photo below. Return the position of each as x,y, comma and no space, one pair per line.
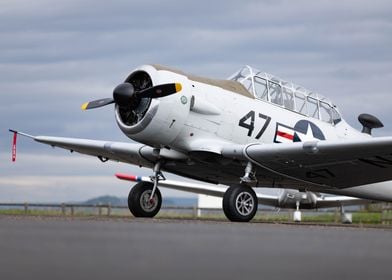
55,55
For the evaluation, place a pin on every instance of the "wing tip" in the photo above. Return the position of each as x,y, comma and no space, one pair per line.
126,177
21,133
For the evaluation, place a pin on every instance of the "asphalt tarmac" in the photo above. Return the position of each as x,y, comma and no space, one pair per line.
64,248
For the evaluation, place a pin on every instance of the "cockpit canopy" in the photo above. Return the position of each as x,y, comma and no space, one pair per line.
272,89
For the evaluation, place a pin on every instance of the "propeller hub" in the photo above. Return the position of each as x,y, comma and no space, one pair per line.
124,95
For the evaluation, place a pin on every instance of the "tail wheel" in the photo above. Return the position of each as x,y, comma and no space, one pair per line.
139,202
240,203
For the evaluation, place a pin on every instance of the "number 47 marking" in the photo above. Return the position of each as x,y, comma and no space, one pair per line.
250,125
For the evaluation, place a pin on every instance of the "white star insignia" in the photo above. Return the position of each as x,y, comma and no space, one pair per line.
308,136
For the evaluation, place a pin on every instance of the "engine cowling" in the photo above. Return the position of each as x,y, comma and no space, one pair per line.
155,122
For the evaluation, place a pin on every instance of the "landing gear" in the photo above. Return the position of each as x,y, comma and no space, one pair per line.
240,203
140,202
145,199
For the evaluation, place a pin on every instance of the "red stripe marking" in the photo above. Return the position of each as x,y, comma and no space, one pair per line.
14,147
126,177
285,135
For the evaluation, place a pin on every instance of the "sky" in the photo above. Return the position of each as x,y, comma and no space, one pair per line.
56,55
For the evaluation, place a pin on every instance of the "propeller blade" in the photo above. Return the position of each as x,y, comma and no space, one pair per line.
97,103
160,90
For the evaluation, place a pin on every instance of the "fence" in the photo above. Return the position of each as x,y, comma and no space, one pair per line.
107,209
100,209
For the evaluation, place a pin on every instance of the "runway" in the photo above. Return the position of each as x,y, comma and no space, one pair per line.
64,248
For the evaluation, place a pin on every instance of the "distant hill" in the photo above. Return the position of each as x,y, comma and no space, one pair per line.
113,200
123,201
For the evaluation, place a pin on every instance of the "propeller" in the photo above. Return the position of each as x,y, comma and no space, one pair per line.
125,95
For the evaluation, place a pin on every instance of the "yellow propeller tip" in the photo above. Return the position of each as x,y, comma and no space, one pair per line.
178,87
84,106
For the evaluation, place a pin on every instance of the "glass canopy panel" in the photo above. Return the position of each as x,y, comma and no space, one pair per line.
313,109
300,103
275,93
288,98
261,88
325,112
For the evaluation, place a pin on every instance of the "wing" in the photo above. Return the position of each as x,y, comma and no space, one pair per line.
132,153
333,164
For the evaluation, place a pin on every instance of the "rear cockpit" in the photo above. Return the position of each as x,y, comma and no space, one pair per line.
292,97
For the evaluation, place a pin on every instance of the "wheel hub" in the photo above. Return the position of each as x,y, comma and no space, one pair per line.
148,204
244,203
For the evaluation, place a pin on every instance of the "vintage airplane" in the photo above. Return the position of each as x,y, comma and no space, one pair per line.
251,130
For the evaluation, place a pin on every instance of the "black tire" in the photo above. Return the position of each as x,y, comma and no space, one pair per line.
138,200
240,203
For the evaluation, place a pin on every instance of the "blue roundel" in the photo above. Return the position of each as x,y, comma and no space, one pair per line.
305,131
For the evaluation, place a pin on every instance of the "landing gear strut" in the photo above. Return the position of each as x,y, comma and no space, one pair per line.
142,202
240,203
158,176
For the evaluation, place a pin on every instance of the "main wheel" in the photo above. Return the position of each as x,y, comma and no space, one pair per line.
139,202
240,203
